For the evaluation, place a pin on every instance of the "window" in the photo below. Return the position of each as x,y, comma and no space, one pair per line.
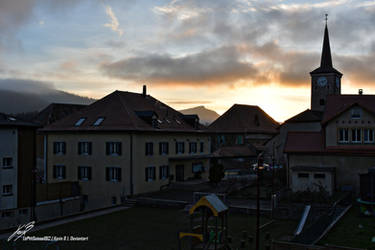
368,135
319,176
7,190
356,113
84,173
79,122
180,147
356,135
221,139
303,175
113,148
59,172
84,148
7,162
114,200
7,214
343,135
197,167
149,148
239,140
149,174
99,121
201,147
163,148
322,102
113,174
163,172
23,211
192,147
59,148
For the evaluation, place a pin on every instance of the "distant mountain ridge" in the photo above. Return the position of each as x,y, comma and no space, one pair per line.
13,102
206,116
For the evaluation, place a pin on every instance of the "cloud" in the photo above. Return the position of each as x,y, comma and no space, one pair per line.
218,66
114,24
16,13
192,102
26,86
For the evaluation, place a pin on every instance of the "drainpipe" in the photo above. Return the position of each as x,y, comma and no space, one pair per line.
131,165
45,158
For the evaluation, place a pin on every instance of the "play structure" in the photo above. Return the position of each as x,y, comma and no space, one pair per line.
367,191
208,225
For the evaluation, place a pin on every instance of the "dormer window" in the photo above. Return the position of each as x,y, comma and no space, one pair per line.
99,121
356,113
79,122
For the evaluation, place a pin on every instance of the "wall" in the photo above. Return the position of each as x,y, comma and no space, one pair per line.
8,148
345,121
348,167
231,139
26,163
311,183
277,143
141,161
100,191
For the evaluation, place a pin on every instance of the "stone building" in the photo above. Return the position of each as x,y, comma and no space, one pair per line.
125,144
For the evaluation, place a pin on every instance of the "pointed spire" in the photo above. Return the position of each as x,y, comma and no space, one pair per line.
326,60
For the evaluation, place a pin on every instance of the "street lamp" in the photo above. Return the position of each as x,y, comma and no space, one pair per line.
259,167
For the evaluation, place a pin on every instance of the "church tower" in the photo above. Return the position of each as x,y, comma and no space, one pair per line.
325,80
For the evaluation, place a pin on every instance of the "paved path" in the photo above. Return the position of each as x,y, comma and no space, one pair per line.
70,219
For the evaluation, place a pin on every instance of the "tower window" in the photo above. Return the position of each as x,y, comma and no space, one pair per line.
322,102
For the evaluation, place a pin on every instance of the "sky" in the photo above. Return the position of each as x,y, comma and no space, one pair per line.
188,52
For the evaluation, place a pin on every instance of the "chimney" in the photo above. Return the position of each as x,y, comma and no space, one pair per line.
144,92
360,91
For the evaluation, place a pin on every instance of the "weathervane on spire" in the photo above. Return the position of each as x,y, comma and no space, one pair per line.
326,18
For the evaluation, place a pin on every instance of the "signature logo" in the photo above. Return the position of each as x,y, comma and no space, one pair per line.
21,231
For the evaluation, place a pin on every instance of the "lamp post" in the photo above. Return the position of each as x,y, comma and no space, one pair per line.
258,168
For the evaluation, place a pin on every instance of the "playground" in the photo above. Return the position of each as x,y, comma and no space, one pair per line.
147,228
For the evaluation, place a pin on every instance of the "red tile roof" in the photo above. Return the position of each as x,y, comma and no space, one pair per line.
244,119
337,104
125,111
12,121
304,142
56,111
306,116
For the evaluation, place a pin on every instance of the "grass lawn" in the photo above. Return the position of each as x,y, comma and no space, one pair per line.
348,232
143,228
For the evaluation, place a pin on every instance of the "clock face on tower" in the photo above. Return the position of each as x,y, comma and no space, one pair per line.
322,81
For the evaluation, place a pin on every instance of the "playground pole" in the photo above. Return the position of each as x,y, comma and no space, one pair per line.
259,167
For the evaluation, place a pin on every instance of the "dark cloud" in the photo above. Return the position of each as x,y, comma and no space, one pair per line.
359,69
25,85
217,66
24,95
16,13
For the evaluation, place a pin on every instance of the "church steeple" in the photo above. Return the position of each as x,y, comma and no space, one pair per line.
326,60
325,80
